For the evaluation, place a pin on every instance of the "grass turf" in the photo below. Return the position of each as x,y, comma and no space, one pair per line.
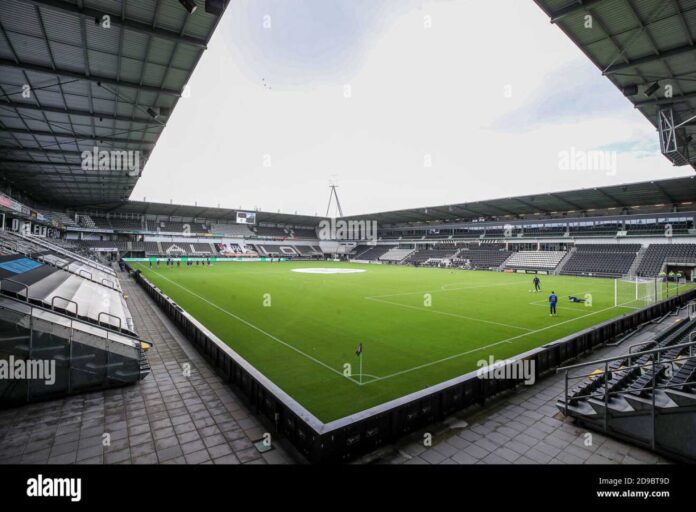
300,329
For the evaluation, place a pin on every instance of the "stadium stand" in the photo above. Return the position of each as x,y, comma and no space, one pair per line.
481,258
271,232
535,260
424,256
308,250
231,230
372,253
276,250
153,248
304,233
166,226
657,254
396,254
656,378
610,260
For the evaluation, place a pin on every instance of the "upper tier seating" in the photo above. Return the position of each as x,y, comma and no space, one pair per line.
231,230
656,254
535,260
271,232
304,233
166,226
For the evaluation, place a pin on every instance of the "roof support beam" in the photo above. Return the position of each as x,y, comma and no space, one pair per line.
25,173
567,11
530,205
77,165
74,112
90,78
573,205
666,101
610,197
57,152
118,21
664,192
648,59
76,136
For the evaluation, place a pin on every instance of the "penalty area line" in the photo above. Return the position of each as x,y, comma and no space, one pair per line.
478,349
427,310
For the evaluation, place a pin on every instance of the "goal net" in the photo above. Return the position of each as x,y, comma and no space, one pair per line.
637,292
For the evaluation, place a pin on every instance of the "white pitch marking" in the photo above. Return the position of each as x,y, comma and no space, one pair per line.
428,310
507,340
275,338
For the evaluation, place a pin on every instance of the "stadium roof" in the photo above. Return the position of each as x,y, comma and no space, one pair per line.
648,193
206,212
69,84
637,44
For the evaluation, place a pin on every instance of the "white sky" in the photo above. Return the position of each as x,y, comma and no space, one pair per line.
267,124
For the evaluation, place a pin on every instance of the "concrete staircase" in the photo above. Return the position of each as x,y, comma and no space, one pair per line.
563,262
636,263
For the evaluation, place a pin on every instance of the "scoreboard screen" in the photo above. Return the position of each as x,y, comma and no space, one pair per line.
246,217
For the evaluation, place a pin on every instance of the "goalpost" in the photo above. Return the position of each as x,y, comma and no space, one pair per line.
637,292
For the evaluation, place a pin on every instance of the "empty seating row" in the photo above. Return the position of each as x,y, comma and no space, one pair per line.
656,255
440,253
535,260
372,253
481,258
610,260
395,254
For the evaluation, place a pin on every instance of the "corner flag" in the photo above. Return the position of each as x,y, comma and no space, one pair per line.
358,352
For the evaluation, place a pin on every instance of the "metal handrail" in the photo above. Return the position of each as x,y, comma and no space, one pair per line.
53,299
79,272
109,315
618,358
26,287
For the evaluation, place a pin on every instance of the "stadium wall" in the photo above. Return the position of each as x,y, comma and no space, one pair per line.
353,436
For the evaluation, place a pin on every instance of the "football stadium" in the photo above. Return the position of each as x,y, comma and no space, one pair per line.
544,313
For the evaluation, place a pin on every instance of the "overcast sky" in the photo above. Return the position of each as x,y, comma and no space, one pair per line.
402,103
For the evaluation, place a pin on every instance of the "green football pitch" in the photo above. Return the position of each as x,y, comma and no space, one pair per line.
300,323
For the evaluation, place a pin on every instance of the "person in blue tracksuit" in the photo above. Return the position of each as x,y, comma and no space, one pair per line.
553,299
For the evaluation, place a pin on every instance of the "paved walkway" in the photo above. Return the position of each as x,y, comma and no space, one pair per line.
525,428
166,418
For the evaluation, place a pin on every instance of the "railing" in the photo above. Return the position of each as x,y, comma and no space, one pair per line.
52,306
78,332
651,365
